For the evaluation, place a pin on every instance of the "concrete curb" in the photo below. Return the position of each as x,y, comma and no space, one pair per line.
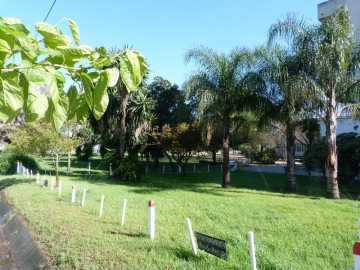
18,250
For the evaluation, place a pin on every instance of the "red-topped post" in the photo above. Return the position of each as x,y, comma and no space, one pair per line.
151,205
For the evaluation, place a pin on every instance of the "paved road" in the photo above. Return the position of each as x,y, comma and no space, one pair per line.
278,167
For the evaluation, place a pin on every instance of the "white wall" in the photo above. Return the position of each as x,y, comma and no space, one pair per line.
344,125
353,5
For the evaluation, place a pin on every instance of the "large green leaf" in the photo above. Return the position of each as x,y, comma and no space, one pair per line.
5,51
130,70
73,101
74,31
82,109
101,99
88,88
142,62
113,76
58,116
14,27
36,107
28,51
11,99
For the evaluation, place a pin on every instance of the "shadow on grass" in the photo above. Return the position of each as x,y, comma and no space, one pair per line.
135,235
10,181
202,181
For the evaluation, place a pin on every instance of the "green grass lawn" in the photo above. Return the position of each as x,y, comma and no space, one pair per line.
300,230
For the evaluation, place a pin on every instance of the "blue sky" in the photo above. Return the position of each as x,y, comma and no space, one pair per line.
163,30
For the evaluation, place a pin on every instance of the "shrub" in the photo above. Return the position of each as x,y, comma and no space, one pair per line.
130,169
267,156
8,162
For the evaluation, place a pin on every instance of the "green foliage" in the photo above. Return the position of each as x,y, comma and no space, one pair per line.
348,151
8,162
130,169
36,85
85,150
267,156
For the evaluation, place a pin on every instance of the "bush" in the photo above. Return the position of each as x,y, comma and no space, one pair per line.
8,162
130,169
267,156
348,150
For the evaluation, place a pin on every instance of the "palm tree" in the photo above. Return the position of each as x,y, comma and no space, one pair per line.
280,68
221,84
331,81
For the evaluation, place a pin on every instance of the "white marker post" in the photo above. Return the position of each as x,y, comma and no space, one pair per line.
20,167
83,198
73,194
123,213
37,177
31,174
89,166
60,188
356,251
101,205
151,219
191,235
27,173
52,183
17,166
252,250
179,169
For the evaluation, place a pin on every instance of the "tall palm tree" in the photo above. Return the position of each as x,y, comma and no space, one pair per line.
332,80
221,84
280,68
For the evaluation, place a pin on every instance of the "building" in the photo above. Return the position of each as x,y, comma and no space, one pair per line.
325,8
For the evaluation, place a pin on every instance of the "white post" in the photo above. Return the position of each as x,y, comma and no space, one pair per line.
179,169
52,183
151,219
101,205
252,250
123,213
17,167
37,177
20,167
27,173
163,168
59,188
83,198
31,174
191,235
208,167
89,166
73,194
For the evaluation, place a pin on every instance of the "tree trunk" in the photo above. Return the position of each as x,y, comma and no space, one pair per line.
182,166
69,161
331,163
226,156
213,152
172,165
124,94
290,162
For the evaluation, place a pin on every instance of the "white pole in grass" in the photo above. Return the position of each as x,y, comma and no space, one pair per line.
163,168
89,166
83,198
73,193
252,250
17,167
52,183
151,219
101,205
27,173
31,174
20,167
123,213
37,177
179,169
60,188
191,235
